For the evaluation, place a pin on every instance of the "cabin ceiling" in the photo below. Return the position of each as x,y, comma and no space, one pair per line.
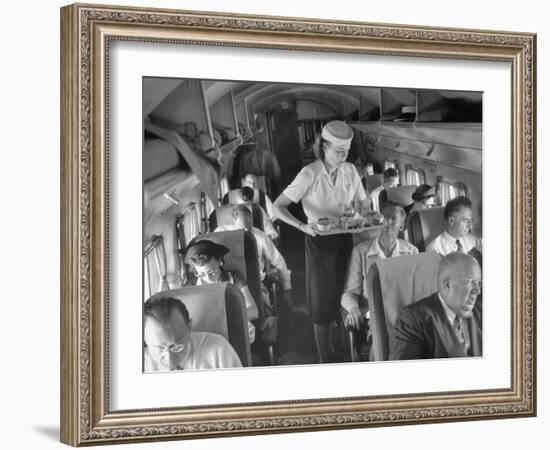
257,94
459,145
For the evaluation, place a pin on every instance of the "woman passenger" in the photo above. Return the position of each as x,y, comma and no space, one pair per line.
424,197
327,188
206,259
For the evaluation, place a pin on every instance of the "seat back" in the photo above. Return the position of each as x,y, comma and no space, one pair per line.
233,197
392,284
401,195
373,181
222,216
242,256
260,182
425,225
217,308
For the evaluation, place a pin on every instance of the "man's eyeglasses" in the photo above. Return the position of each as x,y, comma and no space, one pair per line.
174,348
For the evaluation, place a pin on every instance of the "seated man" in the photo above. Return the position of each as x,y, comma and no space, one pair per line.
171,345
386,245
250,180
391,179
206,259
246,197
268,255
457,236
448,323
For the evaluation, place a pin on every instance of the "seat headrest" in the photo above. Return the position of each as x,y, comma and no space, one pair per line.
426,225
222,216
233,196
206,306
374,180
401,194
234,241
260,181
406,279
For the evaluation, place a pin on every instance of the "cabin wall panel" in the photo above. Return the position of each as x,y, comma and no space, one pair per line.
160,218
159,157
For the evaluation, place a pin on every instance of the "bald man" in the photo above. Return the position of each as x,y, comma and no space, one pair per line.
448,323
171,345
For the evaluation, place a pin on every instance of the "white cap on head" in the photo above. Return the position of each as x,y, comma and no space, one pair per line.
337,132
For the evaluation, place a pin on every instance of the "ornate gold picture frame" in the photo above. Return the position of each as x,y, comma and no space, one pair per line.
87,33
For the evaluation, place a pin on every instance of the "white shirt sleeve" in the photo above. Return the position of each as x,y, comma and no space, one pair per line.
274,257
216,352
299,186
354,281
269,208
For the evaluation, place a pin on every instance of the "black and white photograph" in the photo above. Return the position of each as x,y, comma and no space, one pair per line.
295,224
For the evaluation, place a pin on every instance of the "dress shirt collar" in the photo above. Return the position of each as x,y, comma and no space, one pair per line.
448,312
376,250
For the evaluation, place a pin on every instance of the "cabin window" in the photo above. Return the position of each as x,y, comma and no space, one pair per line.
414,177
223,188
389,163
155,268
450,189
187,228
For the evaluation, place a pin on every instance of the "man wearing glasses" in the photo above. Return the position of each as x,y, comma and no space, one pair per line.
457,237
171,345
448,323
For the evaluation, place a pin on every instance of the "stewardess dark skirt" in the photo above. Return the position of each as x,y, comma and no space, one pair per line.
327,260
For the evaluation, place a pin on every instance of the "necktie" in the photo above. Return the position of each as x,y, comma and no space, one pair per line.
457,328
459,247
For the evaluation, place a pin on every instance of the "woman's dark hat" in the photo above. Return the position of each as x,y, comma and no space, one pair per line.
424,191
204,247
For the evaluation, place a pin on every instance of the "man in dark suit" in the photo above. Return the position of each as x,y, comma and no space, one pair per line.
448,323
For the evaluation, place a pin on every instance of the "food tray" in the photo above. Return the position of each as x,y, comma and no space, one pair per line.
349,230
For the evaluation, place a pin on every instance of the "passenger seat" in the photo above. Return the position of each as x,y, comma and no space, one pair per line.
233,197
425,225
217,308
373,181
222,216
243,256
402,195
393,283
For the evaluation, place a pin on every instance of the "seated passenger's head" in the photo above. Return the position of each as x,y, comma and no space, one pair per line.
167,329
206,259
369,169
425,195
394,219
250,180
336,139
458,214
246,195
459,283
391,178
242,217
